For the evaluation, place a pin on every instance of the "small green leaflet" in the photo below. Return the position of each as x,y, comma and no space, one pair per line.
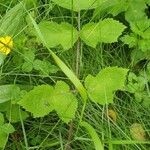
29,57
77,5
101,88
9,92
44,98
137,86
13,113
106,31
5,129
54,34
140,35
44,67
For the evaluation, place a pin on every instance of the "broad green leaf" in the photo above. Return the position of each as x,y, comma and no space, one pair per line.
140,26
10,24
64,102
136,7
43,99
13,21
77,5
113,7
106,31
101,89
95,138
54,34
36,101
9,92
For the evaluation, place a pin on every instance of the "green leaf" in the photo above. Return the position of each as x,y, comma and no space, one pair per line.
3,137
13,114
36,101
54,34
64,102
140,38
131,40
44,67
96,140
1,119
44,99
27,67
4,132
29,55
5,106
136,7
138,55
140,26
13,21
107,31
101,88
113,7
144,45
77,5
9,92
5,129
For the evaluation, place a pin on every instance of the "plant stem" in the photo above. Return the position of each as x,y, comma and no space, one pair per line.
77,72
78,48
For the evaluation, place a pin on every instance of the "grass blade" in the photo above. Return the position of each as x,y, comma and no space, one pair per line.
97,142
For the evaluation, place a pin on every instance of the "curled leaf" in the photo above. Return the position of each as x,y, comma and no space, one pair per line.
137,132
112,115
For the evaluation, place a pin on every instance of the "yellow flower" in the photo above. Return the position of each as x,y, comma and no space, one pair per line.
6,44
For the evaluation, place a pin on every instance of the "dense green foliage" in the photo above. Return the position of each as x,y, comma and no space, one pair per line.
77,64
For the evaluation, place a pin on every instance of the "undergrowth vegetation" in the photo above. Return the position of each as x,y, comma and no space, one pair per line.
74,74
